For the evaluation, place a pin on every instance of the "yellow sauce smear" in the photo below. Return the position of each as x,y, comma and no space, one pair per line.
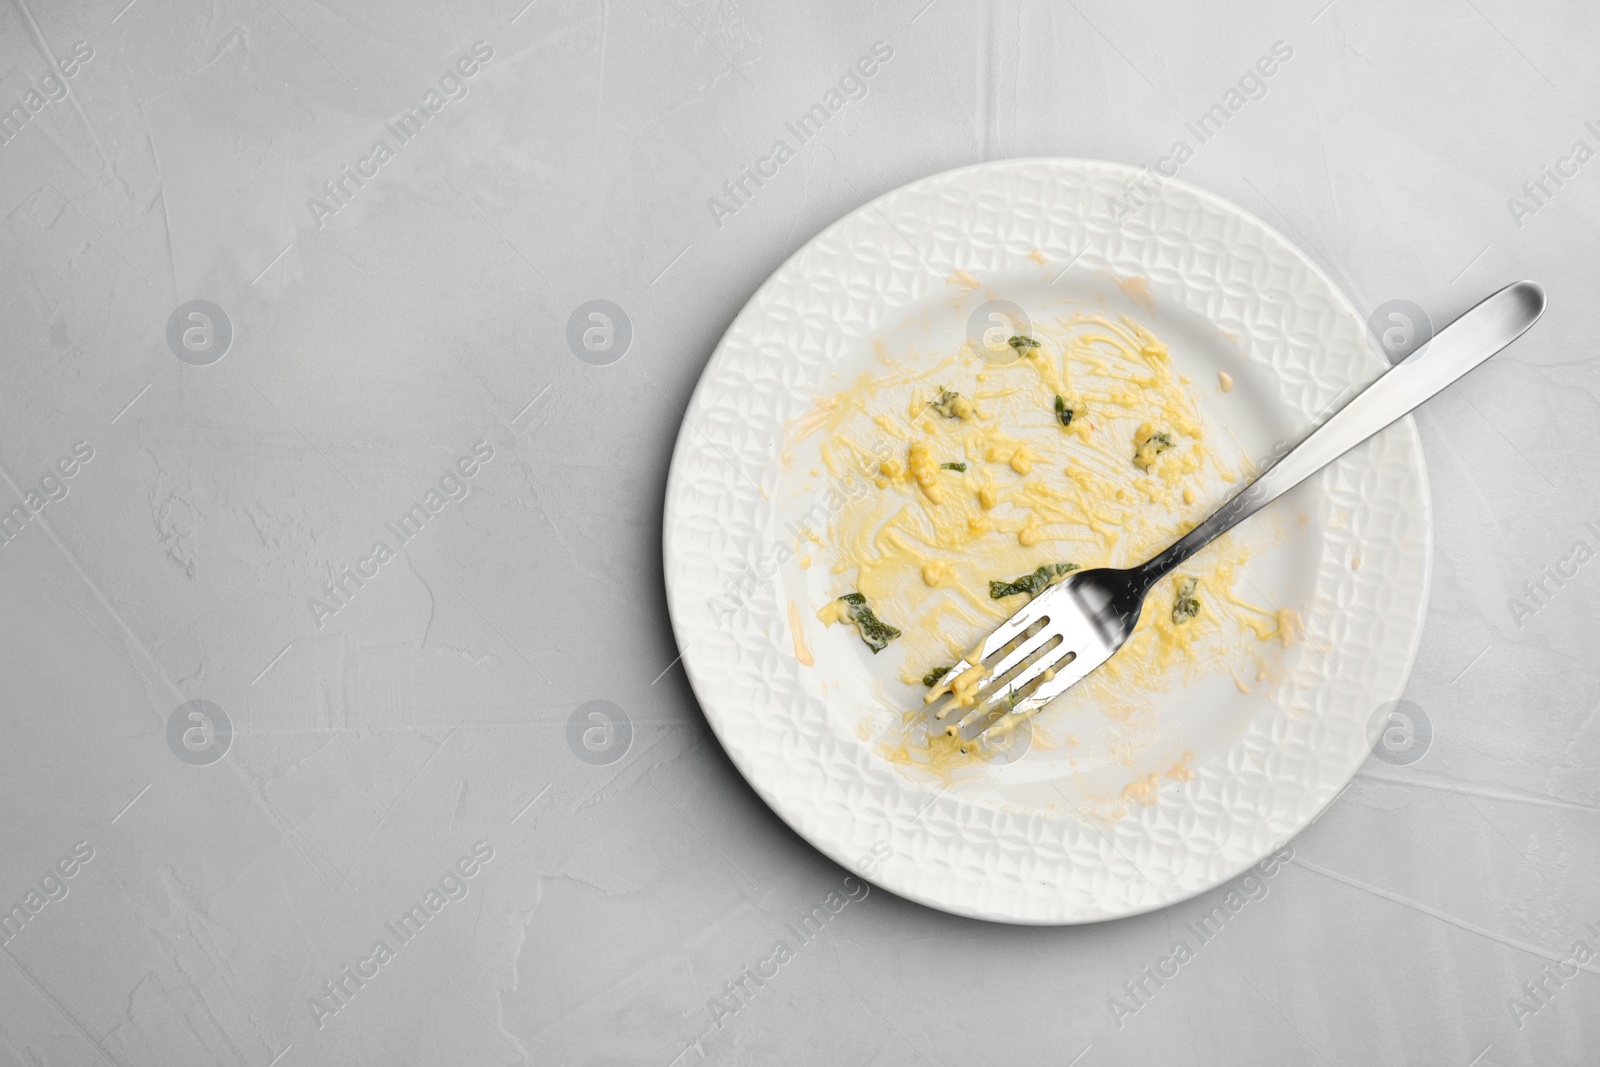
1100,490
801,652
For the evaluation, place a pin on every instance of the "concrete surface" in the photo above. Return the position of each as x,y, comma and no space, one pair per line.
208,883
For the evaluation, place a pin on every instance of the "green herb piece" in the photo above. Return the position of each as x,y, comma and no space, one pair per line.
962,467
945,403
1186,606
931,679
1151,447
1022,343
874,631
1064,414
1032,584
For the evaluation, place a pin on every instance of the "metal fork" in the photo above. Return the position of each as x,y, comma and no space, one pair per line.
1075,625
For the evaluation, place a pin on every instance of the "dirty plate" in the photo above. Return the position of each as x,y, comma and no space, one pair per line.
1040,838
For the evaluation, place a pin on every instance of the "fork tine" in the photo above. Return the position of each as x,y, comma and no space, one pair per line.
999,691
950,682
1025,686
1023,651
1020,638
1029,614
1006,677
1062,632
1068,673
996,730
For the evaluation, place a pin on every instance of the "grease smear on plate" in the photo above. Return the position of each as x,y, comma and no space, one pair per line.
990,481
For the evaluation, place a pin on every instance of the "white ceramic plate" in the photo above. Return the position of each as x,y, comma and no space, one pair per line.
1021,842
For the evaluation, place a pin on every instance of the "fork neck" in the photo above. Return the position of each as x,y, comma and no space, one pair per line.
1241,506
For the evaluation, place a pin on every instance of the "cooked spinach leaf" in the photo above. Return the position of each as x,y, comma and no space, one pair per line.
1186,605
874,631
1064,414
1032,584
1152,446
950,404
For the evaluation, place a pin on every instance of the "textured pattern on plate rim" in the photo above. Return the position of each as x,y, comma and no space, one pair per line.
857,277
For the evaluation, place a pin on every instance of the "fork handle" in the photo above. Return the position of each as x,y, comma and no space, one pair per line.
1468,341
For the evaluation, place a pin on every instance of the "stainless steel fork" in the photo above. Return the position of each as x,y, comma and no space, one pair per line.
1074,626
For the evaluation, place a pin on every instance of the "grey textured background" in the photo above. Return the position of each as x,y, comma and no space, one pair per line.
373,747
